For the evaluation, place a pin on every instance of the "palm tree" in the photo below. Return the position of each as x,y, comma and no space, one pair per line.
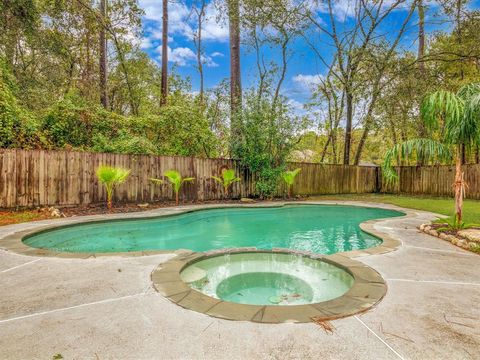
175,178
289,178
110,177
227,179
458,115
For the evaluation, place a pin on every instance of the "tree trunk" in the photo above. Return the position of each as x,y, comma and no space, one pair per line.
422,131
164,78
361,143
348,128
121,58
103,56
198,43
235,79
421,37
176,198
459,187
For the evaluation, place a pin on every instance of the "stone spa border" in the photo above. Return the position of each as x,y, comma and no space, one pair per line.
367,290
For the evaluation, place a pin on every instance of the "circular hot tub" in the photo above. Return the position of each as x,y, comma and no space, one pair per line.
269,286
267,279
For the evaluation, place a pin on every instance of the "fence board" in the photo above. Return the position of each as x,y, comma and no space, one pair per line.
433,180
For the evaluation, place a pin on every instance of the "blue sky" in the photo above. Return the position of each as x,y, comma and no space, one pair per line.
303,66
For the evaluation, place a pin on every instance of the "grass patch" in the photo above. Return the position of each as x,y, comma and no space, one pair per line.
444,206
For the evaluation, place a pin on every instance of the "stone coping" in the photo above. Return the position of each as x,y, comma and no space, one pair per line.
13,242
367,290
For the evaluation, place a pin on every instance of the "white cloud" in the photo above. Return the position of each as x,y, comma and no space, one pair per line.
183,56
307,81
213,28
217,54
180,23
345,9
146,43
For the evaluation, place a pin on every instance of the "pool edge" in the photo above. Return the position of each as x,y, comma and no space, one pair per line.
14,242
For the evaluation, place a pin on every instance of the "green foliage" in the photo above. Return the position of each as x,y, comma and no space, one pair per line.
268,135
227,179
178,129
175,179
428,148
18,127
452,224
110,177
458,114
289,176
475,248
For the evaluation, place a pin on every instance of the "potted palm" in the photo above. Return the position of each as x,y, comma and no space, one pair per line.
227,179
289,178
110,177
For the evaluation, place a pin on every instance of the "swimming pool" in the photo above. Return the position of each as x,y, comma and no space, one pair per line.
324,229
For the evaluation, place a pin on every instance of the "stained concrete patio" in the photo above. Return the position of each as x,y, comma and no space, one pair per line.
106,308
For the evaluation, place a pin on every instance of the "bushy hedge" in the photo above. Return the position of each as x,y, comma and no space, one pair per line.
180,128
18,127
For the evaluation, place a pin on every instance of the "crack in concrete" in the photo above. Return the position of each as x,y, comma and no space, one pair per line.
19,266
72,307
379,338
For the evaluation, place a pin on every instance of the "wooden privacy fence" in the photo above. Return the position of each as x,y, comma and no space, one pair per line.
433,180
39,177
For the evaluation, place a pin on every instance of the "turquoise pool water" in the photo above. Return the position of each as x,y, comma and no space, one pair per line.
267,279
324,229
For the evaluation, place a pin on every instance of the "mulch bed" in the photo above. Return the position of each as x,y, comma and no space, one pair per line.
9,217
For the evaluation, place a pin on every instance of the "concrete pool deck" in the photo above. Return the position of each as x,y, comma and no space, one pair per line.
106,308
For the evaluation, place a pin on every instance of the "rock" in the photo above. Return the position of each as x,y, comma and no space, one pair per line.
55,213
462,243
443,236
433,232
247,200
452,239
470,234
427,228
145,205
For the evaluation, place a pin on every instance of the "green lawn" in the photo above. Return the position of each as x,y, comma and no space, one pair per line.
445,206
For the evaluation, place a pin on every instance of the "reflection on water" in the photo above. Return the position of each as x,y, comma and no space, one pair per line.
316,228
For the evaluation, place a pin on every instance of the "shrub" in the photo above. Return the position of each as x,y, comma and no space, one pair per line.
227,179
175,178
289,178
110,177
18,127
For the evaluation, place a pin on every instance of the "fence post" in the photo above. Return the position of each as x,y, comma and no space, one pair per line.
378,179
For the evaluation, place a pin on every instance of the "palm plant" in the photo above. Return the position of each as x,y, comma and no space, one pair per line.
110,177
227,179
175,178
289,178
458,115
